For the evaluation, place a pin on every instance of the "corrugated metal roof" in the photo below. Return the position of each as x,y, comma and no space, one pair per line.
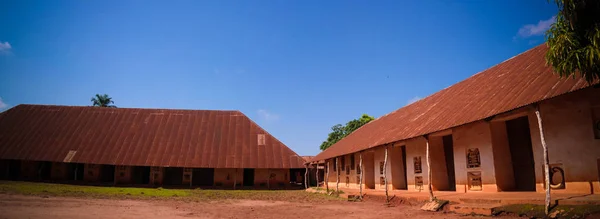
517,82
141,137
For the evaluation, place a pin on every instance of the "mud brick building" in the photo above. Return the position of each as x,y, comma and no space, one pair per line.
158,147
483,135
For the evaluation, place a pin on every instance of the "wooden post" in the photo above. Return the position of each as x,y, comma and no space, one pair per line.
546,160
306,177
269,178
191,177
327,178
361,176
337,171
429,176
235,179
387,199
76,167
317,174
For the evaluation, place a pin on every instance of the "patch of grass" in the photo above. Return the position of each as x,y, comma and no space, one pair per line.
560,211
48,189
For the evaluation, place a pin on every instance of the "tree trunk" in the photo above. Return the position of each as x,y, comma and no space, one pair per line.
546,160
361,176
337,171
327,178
429,176
387,200
306,177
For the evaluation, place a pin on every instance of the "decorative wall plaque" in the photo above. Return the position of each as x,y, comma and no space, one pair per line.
419,183
557,176
381,167
474,180
473,158
417,164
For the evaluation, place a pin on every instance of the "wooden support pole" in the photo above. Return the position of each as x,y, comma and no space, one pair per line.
191,177
546,160
269,178
337,173
361,175
235,179
385,159
317,174
327,178
306,177
429,176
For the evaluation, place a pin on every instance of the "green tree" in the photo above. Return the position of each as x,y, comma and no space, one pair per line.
340,131
574,39
103,101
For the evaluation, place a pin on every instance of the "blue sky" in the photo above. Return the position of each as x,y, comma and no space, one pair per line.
295,67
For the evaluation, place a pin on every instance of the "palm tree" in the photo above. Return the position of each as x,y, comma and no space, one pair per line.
103,101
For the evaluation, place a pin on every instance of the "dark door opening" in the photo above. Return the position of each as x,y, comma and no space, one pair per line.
78,170
140,175
297,176
521,152
248,177
403,149
173,176
45,170
107,173
449,155
14,169
203,177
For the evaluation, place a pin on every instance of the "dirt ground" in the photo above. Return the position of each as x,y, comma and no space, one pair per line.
19,206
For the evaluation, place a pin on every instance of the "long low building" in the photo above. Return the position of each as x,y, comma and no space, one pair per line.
142,146
483,134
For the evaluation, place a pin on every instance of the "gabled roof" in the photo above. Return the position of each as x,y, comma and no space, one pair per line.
140,137
517,82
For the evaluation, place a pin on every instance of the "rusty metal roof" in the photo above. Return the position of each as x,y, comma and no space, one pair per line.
140,137
517,82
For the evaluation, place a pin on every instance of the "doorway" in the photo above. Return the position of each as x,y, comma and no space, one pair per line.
203,177
519,141
449,155
173,176
107,173
248,177
45,169
140,175
399,168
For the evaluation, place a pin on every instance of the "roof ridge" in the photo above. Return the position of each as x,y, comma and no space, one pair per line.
120,108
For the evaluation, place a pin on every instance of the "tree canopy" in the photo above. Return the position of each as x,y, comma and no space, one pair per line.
103,101
340,131
574,39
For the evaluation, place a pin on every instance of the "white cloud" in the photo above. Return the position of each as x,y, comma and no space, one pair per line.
536,29
3,105
5,47
412,100
267,116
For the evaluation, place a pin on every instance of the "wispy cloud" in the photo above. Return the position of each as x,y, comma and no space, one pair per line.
267,116
5,47
540,28
412,100
3,105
